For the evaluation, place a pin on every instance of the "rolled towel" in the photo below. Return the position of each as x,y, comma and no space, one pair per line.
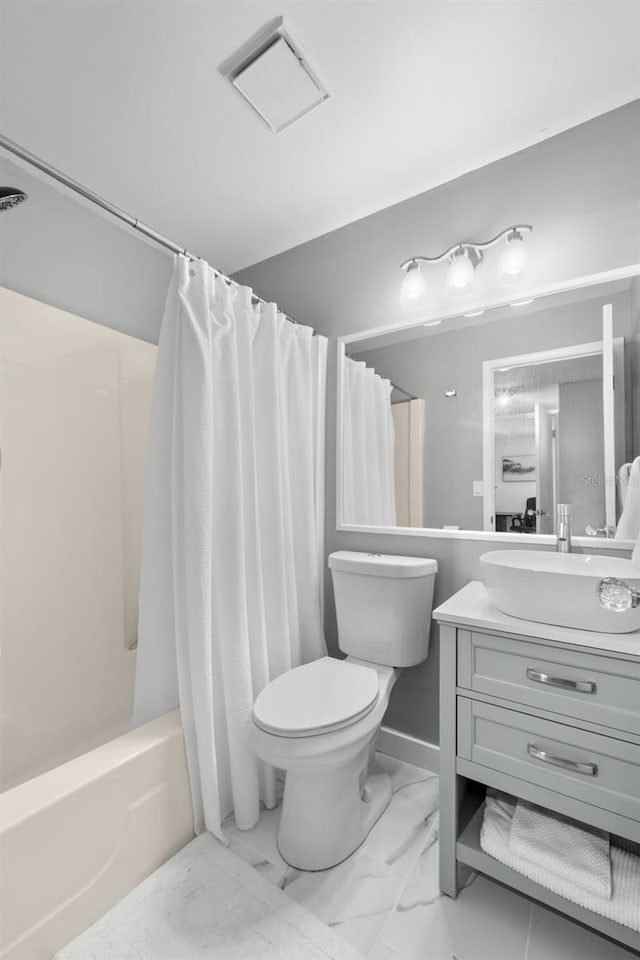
629,524
573,851
624,905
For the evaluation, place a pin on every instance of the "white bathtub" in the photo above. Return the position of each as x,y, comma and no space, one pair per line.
75,840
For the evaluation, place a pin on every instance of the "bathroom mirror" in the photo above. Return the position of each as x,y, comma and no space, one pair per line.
479,423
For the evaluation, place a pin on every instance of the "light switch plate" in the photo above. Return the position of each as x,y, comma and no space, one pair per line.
478,488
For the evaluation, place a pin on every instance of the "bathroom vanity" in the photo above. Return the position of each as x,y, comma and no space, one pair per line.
548,714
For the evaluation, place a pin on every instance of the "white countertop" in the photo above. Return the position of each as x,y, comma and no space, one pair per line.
471,607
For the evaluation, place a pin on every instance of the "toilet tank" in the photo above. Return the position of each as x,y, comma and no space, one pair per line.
383,606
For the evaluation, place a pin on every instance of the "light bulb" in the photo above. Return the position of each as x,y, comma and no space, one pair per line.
513,261
413,287
461,276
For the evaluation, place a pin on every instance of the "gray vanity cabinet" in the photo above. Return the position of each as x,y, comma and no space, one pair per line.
529,712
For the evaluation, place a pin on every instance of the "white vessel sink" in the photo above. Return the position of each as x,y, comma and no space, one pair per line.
561,588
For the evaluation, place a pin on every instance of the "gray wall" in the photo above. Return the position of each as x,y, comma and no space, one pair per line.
453,425
634,355
581,451
581,190
61,251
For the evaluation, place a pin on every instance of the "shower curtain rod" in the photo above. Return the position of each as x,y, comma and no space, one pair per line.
30,158
409,396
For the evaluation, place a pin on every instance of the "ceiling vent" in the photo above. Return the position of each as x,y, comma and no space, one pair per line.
273,74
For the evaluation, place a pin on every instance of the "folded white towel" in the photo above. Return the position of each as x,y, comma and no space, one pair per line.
624,906
629,524
577,853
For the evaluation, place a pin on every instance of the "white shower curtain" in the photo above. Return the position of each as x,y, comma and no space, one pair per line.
368,491
230,591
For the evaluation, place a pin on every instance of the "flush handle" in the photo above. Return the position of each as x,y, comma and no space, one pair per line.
577,766
580,686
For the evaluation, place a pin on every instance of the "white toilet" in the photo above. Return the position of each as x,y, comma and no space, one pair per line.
319,721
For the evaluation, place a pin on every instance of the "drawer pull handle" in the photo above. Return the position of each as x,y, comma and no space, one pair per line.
590,769
582,686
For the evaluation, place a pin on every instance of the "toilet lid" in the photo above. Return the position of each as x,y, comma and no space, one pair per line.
316,698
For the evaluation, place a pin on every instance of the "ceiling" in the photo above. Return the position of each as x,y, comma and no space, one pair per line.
127,98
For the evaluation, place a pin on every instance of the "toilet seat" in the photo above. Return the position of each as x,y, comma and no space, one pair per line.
316,698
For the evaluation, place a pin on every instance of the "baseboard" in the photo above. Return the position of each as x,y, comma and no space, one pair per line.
403,746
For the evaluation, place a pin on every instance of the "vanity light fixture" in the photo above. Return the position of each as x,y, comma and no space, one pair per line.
513,261
464,259
414,286
461,275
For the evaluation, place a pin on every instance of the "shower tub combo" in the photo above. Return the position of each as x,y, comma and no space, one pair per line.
75,840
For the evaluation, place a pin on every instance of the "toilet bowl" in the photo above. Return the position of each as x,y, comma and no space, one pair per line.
319,721
328,805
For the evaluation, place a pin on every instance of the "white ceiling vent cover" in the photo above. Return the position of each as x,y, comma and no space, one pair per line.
273,74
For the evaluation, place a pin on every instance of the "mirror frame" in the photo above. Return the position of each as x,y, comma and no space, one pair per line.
594,348
491,536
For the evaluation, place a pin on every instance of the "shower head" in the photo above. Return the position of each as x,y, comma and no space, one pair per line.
11,197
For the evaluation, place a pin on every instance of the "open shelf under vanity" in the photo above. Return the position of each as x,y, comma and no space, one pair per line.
491,714
470,853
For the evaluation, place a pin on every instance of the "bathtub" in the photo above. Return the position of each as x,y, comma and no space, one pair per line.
75,840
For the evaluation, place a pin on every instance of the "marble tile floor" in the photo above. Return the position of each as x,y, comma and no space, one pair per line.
385,900
204,903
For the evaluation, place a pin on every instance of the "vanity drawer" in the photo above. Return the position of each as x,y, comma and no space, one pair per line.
599,770
599,689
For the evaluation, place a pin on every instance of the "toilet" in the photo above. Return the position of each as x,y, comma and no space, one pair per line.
318,722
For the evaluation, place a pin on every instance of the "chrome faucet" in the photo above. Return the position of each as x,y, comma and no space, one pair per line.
563,528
